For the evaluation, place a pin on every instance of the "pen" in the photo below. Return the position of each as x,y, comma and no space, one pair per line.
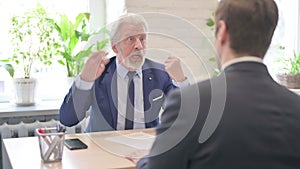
60,128
41,132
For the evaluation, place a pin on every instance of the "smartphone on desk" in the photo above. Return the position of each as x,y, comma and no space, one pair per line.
75,144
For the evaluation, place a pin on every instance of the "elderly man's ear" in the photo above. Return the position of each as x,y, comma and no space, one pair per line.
114,48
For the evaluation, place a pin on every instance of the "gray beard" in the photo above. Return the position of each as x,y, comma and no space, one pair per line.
133,65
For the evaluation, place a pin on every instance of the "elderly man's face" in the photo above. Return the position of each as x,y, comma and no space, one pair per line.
130,49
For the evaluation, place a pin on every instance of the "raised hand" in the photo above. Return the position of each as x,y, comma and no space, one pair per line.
174,69
94,66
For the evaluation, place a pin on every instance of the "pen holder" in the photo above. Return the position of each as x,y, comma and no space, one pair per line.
51,142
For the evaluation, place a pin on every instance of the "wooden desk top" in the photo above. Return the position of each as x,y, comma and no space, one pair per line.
25,153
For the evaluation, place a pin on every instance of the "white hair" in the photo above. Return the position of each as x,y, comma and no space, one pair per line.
129,18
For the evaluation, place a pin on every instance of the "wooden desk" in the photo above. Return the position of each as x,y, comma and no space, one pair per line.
25,153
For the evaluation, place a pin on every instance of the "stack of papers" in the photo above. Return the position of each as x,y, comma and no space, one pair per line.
139,140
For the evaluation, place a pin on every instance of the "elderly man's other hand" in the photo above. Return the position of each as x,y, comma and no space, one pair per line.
136,155
174,69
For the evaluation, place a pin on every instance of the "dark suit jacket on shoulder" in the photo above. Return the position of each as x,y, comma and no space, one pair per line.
258,129
101,100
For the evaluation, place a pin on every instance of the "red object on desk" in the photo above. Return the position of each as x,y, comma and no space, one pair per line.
41,131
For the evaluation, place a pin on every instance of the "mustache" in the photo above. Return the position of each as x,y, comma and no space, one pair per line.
141,53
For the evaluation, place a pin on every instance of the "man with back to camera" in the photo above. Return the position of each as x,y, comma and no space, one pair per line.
258,125
102,85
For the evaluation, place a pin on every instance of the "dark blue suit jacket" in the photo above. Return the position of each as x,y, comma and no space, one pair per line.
247,120
101,100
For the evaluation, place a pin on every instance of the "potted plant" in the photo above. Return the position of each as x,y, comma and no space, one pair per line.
290,76
74,36
33,39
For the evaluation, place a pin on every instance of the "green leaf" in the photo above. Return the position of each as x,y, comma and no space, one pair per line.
67,56
66,27
102,44
281,47
84,36
80,18
72,43
210,22
84,53
212,59
5,60
61,62
10,69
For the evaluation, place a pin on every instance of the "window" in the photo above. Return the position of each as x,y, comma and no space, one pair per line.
15,7
114,9
286,34
52,83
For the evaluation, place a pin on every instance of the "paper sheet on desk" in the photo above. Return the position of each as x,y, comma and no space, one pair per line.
139,140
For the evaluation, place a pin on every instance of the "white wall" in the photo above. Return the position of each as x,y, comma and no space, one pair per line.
98,14
298,32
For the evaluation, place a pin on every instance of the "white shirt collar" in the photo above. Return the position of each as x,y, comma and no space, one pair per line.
242,59
122,71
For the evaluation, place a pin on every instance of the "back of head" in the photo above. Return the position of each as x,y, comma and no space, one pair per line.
250,24
129,18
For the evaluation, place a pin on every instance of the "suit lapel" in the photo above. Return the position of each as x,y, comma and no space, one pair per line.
148,85
111,86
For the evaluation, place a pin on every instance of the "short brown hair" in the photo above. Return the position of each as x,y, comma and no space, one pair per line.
250,24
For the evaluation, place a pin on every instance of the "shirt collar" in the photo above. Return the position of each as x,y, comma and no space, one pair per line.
122,71
242,59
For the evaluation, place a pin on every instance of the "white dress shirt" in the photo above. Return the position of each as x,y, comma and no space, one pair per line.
122,85
242,59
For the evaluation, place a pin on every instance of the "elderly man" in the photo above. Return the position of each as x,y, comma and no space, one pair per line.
126,91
